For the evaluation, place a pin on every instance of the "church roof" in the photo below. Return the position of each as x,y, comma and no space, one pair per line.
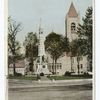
18,64
72,11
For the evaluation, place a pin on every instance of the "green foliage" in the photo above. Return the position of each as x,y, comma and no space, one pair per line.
31,48
65,45
23,77
13,44
18,74
77,47
13,29
38,77
30,45
67,73
56,45
70,77
85,32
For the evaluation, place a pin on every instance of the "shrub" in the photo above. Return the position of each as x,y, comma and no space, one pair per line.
18,74
85,73
67,73
10,75
38,77
53,73
48,76
41,74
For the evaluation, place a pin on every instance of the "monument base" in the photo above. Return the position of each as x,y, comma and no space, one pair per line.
43,69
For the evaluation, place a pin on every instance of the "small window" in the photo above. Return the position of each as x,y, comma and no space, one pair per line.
81,66
60,66
73,27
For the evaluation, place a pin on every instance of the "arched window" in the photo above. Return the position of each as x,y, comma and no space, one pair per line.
73,27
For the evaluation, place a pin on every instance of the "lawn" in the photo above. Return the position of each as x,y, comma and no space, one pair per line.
23,78
70,77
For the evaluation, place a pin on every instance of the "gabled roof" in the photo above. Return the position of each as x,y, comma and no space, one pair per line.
72,11
18,64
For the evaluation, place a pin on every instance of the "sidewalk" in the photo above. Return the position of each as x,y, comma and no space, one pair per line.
30,84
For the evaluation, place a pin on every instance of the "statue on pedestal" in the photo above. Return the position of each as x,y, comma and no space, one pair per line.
42,59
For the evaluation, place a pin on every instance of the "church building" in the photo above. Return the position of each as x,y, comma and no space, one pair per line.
65,62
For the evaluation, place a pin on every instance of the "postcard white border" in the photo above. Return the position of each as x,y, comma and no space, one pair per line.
2,50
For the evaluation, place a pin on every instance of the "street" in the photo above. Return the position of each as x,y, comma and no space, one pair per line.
27,90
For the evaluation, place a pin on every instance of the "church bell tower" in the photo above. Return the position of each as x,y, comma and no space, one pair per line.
71,23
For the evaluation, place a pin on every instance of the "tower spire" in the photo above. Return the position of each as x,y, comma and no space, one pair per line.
72,11
40,25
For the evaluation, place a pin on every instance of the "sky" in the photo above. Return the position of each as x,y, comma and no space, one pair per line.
51,12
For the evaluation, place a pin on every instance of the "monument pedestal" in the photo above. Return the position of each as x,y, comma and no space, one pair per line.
42,60
42,69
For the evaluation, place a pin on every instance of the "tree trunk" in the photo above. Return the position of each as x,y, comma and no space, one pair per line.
13,52
14,67
55,66
31,65
71,63
78,65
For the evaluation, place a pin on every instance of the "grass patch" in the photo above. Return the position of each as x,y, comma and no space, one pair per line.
22,78
70,77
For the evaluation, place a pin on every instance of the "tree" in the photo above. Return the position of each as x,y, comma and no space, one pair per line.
85,32
71,55
77,49
54,45
65,45
13,44
31,48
